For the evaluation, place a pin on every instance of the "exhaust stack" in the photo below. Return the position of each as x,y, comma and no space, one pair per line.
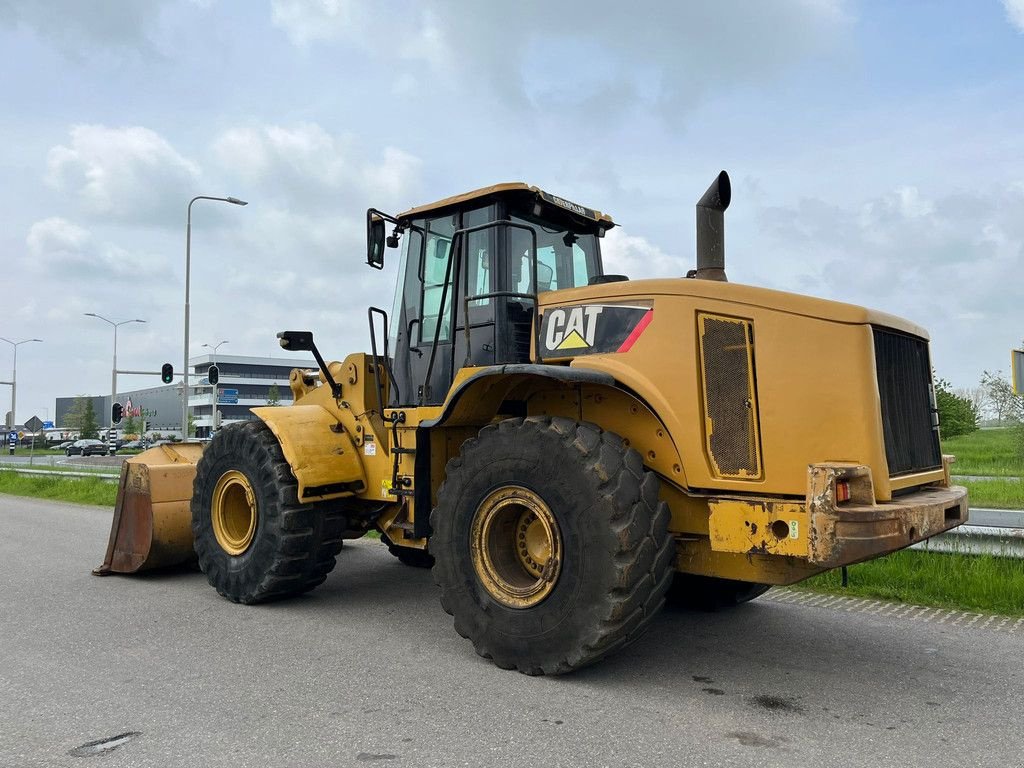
711,230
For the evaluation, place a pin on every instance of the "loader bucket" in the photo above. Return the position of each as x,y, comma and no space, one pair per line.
152,525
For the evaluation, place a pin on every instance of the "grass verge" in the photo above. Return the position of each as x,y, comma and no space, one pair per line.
998,493
990,452
81,490
980,583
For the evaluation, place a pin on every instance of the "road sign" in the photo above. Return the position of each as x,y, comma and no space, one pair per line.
227,396
47,425
34,424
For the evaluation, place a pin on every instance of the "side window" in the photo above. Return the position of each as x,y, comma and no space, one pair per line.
479,267
564,259
580,269
435,265
479,258
547,268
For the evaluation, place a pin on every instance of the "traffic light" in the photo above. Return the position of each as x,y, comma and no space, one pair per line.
213,375
167,373
116,412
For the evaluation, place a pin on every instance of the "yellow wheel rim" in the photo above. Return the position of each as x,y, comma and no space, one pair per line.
233,512
516,547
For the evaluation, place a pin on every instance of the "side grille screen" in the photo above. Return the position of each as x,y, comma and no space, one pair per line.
904,387
730,398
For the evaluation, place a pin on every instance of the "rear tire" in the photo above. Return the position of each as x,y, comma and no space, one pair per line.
414,558
254,540
552,547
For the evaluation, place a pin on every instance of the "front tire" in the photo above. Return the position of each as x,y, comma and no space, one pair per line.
254,540
552,547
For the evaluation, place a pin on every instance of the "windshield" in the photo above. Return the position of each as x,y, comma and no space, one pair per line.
564,259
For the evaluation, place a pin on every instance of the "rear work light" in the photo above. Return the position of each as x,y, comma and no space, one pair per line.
842,491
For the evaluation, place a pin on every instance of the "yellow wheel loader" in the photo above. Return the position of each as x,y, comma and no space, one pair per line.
563,446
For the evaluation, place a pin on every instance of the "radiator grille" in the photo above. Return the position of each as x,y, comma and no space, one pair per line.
730,399
908,415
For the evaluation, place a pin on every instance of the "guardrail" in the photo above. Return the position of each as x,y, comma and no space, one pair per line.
60,473
989,532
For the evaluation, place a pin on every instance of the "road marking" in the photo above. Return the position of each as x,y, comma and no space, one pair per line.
923,614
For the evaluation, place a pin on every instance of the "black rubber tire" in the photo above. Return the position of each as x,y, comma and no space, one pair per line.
294,545
617,553
415,558
708,593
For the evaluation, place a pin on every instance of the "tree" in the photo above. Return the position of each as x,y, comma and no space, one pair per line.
130,426
957,414
73,418
1003,404
88,427
273,395
82,418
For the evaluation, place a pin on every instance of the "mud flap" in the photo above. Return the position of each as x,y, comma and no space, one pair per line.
152,525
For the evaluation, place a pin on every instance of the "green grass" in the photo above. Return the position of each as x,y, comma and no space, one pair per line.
989,452
981,583
81,490
1000,493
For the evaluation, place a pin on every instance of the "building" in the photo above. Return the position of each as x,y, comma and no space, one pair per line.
245,382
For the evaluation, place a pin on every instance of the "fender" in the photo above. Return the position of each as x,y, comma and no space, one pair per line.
319,450
490,386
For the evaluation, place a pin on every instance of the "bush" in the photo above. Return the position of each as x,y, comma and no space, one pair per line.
957,415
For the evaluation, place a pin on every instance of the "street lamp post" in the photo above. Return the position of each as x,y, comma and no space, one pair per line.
213,387
113,368
14,377
188,267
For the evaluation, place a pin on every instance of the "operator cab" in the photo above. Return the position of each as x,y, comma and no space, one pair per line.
470,270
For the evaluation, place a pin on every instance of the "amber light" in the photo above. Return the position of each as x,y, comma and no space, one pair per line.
842,491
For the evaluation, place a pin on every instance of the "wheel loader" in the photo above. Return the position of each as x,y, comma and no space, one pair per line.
564,447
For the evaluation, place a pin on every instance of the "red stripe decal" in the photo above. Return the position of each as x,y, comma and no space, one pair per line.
631,339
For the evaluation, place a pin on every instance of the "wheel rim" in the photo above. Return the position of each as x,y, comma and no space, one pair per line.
516,547
233,512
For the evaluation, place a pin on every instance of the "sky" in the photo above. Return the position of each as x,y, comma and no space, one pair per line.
876,152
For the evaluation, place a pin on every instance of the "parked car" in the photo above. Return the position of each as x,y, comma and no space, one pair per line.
63,446
87,448
132,445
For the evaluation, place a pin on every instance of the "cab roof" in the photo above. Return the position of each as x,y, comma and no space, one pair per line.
512,189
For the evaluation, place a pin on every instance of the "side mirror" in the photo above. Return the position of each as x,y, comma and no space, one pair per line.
296,341
376,236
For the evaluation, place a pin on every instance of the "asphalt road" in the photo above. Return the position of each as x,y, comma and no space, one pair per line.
368,670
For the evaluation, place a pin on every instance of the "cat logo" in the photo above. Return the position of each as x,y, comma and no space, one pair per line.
571,328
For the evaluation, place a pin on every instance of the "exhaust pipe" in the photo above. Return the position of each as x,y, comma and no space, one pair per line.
711,230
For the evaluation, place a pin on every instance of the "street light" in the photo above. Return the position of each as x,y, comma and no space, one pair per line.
14,377
213,387
113,368
188,268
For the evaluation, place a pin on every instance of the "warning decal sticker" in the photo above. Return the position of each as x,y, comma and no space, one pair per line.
587,329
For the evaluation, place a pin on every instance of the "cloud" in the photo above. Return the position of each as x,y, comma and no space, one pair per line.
307,21
76,27
65,253
1015,13
130,174
303,166
951,262
575,54
637,258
